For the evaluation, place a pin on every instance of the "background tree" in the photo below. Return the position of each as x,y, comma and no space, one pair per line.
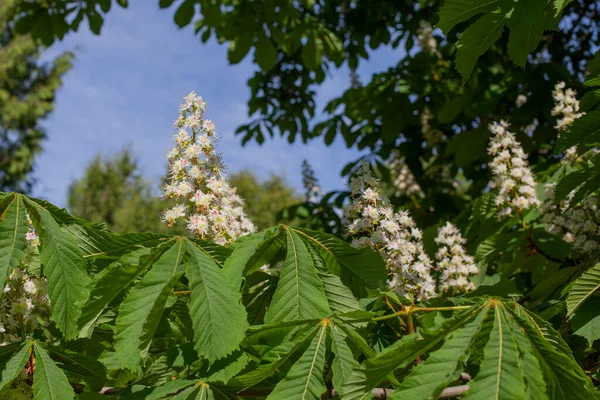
264,199
27,91
113,190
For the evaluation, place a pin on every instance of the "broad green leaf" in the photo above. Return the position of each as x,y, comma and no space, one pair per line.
85,367
49,382
501,372
65,269
300,293
284,352
13,227
13,358
583,132
443,366
239,47
590,100
305,380
218,316
523,39
141,311
358,269
343,361
536,387
265,53
340,297
312,52
107,284
586,321
185,13
457,11
564,378
249,250
583,288
559,5
476,40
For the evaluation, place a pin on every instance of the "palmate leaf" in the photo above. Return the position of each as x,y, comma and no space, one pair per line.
218,316
401,354
300,294
65,269
583,132
523,39
305,380
563,377
457,11
585,286
141,311
13,227
501,372
49,382
443,366
111,281
476,40
358,269
13,358
519,357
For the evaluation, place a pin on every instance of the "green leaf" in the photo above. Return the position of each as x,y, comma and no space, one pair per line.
443,366
340,297
457,11
523,39
284,352
87,368
476,40
165,3
586,321
141,311
13,366
501,372
305,380
185,13
111,281
250,251
13,227
239,47
583,288
312,52
401,354
300,293
49,382
343,361
64,267
584,132
218,316
590,100
358,269
564,378
265,53
559,5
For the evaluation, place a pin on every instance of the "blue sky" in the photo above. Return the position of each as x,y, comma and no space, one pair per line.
125,88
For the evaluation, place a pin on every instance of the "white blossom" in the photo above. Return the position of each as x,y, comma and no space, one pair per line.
521,100
404,180
512,176
426,39
453,263
577,224
207,204
431,135
371,222
566,110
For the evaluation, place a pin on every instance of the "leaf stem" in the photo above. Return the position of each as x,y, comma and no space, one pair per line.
182,293
411,310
